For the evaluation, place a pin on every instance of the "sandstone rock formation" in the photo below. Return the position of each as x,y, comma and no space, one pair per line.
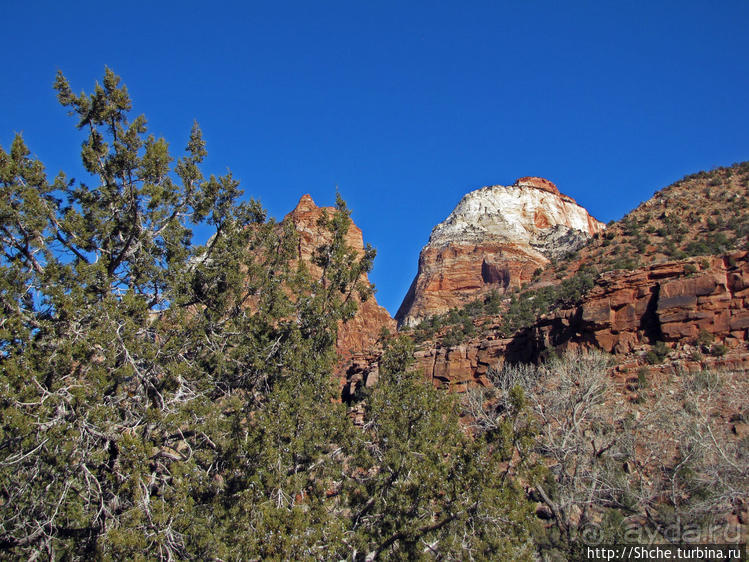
661,302
625,313
495,238
359,334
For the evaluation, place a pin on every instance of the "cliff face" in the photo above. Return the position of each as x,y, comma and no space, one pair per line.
495,239
625,313
360,334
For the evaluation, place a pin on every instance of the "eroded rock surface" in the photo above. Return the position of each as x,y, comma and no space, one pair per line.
360,334
625,313
495,239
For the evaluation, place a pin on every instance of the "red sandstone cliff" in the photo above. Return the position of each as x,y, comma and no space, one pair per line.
495,239
625,313
360,334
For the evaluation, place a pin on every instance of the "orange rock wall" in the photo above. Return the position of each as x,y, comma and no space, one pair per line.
494,240
452,276
625,312
360,334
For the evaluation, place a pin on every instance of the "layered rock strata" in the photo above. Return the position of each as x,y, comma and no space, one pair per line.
625,313
495,239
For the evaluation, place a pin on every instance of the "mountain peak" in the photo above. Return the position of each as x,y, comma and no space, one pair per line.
538,183
306,203
494,239
357,334
522,213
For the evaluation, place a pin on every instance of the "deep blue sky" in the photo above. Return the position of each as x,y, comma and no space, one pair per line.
405,106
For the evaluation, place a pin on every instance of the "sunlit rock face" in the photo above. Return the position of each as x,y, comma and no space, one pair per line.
494,239
624,313
360,333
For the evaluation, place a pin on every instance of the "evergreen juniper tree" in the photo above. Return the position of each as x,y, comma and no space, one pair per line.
164,400
132,361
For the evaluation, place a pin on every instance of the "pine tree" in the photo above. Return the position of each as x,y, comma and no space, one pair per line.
165,400
133,362
422,486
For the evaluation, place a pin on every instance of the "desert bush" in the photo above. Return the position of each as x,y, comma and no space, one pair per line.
642,378
587,437
658,353
704,338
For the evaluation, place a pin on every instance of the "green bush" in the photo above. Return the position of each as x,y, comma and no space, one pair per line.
652,358
704,337
658,353
642,378
167,401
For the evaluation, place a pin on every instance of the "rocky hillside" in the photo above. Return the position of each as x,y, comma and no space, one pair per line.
702,214
359,334
699,316
664,293
494,240
673,272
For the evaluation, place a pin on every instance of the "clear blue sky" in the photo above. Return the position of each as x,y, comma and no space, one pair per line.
405,106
